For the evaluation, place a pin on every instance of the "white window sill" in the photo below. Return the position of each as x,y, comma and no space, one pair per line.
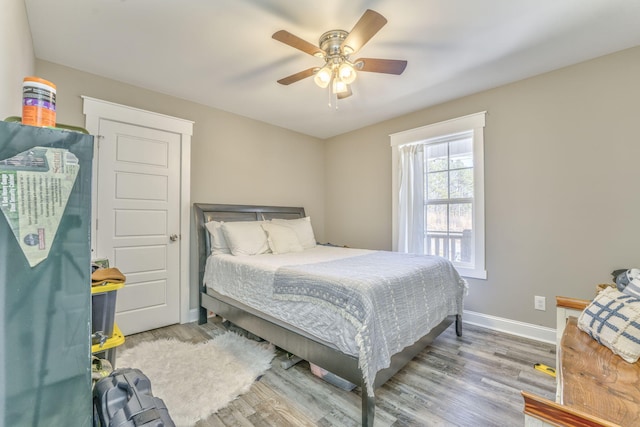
472,273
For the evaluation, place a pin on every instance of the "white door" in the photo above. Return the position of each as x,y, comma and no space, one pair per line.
138,221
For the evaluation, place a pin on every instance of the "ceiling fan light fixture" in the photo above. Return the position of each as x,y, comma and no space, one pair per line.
339,86
347,73
323,77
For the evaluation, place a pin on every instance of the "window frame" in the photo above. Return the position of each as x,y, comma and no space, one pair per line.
475,123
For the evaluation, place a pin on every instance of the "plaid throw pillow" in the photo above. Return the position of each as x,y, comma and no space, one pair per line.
613,319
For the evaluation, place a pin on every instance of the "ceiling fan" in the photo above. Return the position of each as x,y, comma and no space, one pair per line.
336,47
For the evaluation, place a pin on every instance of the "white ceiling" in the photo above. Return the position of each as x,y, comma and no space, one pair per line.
220,52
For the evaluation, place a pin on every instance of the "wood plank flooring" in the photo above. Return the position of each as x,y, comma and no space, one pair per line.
473,380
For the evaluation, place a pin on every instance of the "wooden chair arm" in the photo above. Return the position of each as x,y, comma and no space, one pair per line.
574,303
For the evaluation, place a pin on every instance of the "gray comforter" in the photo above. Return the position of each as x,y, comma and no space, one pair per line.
391,298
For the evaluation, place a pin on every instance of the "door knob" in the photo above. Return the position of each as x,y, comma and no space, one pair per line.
173,237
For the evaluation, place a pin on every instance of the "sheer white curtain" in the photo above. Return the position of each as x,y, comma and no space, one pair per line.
411,221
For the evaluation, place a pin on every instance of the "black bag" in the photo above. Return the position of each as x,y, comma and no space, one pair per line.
124,399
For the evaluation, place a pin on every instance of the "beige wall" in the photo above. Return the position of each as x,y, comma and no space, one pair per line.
16,56
234,159
562,178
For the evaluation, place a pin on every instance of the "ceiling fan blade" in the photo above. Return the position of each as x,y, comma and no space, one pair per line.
346,94
374,65
369,24
298,76
296,42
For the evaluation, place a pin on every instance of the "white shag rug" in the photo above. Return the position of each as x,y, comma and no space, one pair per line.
197,380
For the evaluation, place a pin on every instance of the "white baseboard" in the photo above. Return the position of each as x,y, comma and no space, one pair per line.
194,313
514,327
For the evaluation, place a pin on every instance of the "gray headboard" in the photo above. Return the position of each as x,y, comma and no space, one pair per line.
205,212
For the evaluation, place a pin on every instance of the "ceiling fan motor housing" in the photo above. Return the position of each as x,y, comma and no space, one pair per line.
331,42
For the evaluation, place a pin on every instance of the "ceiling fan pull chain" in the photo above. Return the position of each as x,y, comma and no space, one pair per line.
333,100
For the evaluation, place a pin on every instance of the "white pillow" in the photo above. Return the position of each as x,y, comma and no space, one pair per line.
303,229
246,237
282,239
218,242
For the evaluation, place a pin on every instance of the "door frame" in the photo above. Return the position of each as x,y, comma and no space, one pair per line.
96,110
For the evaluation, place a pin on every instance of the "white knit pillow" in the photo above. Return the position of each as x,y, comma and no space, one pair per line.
613,319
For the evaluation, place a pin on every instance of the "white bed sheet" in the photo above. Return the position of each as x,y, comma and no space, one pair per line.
249,279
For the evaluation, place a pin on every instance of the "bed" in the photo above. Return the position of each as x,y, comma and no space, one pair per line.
289,297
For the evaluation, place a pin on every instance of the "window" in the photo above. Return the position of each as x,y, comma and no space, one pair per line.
438,200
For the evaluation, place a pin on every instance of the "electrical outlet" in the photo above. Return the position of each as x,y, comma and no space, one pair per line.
540,303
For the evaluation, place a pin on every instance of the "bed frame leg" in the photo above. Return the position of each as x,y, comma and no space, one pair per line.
368,407
290,361
202,316
459,325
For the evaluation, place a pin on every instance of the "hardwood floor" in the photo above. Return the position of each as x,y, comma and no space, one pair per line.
473,380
